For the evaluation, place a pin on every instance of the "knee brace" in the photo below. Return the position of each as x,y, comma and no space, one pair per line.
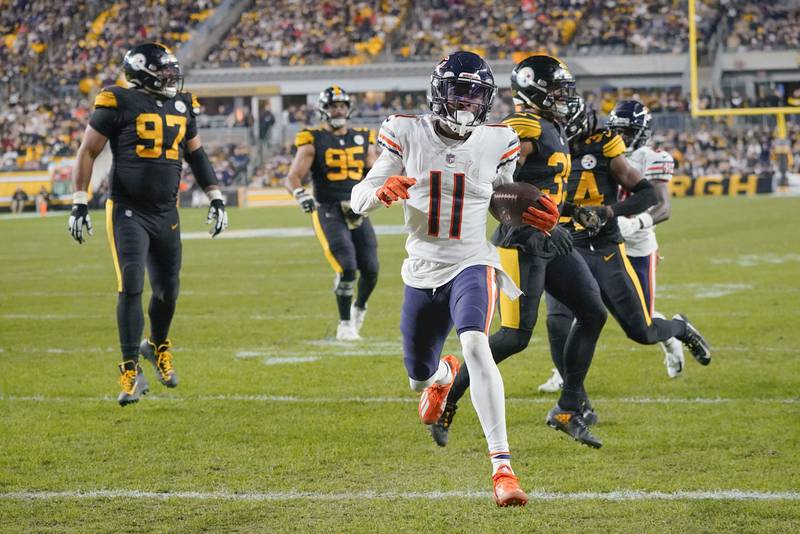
344,283
132,279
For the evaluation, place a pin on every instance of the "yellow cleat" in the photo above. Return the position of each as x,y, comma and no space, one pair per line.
161,358
133,383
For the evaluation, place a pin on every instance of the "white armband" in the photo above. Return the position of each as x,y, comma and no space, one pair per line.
80,197
214,194
645,220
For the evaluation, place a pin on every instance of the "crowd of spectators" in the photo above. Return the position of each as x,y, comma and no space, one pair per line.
31,135
762,25
719,148
493,30
288,32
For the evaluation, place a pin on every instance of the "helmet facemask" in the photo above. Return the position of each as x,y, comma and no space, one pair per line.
461,103
163,79
633,135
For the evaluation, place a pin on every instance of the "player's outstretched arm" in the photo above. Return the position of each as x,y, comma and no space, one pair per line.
365,195
301,164
91,146
207,180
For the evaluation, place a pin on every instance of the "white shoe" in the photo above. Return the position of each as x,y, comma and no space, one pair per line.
346,332
673,357
357,316
553,383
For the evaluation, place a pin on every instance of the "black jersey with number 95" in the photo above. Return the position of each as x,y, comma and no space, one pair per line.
339,160
148,138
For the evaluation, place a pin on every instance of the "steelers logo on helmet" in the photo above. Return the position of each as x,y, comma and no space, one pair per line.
525,76
461,91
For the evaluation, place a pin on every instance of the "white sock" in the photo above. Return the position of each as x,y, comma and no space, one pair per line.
443,375
488,395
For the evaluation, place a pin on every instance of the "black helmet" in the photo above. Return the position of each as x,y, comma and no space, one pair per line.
631,120
462,79
545,83
582,118
154,68
332,94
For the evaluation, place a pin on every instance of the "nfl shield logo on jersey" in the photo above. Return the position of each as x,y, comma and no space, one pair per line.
450,158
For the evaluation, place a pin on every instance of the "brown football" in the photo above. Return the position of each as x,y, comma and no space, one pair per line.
510,201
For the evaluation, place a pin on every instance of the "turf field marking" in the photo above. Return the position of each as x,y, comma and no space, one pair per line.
756,260
384,400
618,495
702,291
290,359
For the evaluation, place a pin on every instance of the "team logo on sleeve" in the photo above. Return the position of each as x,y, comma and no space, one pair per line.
180,107
588,162
358,139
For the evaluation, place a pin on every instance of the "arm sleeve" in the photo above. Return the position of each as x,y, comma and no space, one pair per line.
643,197
362,197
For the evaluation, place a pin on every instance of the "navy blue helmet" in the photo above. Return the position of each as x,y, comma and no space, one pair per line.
332,94
545,83
631,120
154,68
462,91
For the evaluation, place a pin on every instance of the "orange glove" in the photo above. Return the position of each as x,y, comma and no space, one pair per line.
544,220
394,188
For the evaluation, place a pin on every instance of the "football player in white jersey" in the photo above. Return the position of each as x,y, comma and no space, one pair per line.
631,120
445,165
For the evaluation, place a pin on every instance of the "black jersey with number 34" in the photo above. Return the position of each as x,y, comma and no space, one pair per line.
546,168
591,184
339,160
148,138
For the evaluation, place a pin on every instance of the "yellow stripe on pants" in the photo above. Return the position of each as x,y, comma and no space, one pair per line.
112,241
509,309
326,248
635,279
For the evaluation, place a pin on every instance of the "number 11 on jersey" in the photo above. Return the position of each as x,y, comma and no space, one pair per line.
435,206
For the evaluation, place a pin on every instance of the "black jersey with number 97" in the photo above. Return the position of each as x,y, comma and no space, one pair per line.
148,138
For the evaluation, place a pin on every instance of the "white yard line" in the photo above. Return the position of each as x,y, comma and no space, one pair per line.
617,495
384,400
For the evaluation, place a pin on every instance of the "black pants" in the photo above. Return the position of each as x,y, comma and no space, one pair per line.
622,294
144,241
349,248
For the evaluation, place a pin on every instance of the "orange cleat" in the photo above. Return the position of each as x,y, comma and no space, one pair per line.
506,488
432,401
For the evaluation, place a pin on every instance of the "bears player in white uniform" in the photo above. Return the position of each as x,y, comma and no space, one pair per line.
631,120
451,162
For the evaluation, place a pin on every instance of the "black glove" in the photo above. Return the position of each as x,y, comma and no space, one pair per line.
305,200
592,218
217,215
559,241
78,218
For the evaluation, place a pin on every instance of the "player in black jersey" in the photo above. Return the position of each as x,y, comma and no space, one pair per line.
599,169
338,158
152,129
542,88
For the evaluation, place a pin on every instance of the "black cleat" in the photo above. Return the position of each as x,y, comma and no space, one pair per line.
573,424
441,428
695,341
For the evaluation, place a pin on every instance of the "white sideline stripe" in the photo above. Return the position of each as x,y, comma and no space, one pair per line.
384,400
618,495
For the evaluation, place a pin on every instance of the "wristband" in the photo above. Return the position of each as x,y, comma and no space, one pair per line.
214,194
80,197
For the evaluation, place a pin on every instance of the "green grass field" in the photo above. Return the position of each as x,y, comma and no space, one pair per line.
277,428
